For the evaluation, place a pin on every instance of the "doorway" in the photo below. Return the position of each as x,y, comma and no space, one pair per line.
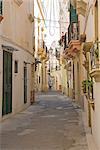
7,83
78,81
25,83
73,81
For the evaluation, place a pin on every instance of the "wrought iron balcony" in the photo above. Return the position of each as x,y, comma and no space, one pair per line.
1,10
73,32
95,61
45,47
57,54
94,55
73,41
61,41
64,40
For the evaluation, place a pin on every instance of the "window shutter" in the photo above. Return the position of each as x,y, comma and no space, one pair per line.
73,15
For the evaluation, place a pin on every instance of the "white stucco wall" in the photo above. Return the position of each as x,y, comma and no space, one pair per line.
17,79
16,30
96,121
95,114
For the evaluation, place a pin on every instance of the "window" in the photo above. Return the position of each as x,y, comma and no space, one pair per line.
1,11
16,66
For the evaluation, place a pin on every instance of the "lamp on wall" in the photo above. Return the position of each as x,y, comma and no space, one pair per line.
10,48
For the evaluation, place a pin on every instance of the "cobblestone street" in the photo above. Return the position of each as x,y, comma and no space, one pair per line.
52,123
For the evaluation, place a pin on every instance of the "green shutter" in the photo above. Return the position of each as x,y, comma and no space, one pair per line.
73,15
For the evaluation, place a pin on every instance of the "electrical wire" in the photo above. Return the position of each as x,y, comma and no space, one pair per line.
52,27
50,20
52,8
45,8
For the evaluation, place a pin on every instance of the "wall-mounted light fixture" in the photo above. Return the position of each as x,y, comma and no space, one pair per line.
10,48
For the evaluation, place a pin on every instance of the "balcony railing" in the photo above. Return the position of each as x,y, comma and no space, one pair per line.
94,56
66,41
1,10
57,54
73,32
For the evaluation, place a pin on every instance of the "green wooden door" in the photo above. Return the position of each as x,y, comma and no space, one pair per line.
25,84
7,83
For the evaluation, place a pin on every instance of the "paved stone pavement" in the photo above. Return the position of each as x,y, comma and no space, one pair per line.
52,123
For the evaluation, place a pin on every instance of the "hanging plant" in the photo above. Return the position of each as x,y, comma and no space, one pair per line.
87,85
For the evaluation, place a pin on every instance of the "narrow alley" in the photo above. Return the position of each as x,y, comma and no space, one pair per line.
54,122
49,74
